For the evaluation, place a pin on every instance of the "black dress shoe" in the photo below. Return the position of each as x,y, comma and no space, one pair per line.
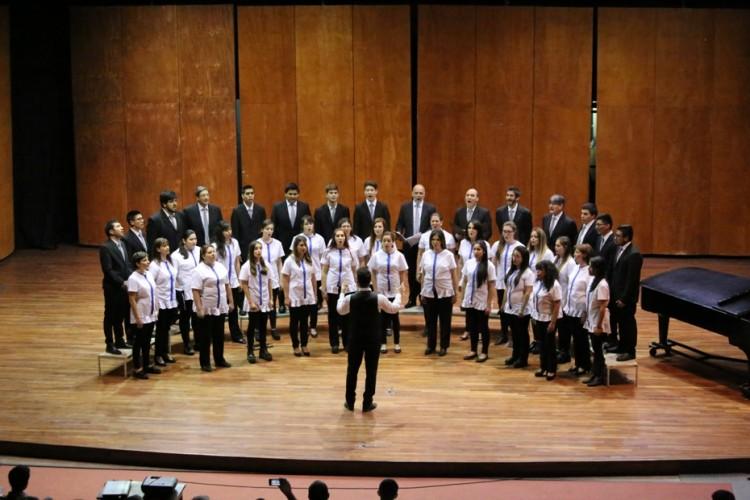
189,351
159,361
625,356
563,358
169,359
595,381
540,373
141,375
207,368
573,369
551,376
429,351
588,380
282,310
239,340
113,350
534,347
154,370
123,345
251,358
349,407
501,340
369,407
410,304
335,349
305,352
265,356
510,361
274,334
442,352
223,364
520,364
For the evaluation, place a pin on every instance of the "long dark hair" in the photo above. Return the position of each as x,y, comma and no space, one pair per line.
253,262
523,267
565,242
297,240
482,265
183,251
597,269
220,240
550,273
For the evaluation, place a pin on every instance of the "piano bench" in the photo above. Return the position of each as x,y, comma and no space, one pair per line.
613,364
121,359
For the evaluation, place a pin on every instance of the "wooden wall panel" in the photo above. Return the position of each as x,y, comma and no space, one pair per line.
7,230
682,148
562,107
625,128
325,101
382,102
446,104
504,97
268,102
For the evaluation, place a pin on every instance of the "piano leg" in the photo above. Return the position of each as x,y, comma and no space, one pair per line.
663,338
743,342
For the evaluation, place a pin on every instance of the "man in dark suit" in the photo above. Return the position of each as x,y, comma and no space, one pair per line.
606,248
588,233
363,308
556,223
624,288
328,214
113,257
366,212
469,212
287,216
202,217
514,212
247,220
414,219
166,223
135,238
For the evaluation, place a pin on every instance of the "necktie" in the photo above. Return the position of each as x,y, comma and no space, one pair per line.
333,213
171,280
173,221
511,214
143,242
552,224
434,269
619,254
260,285
469,214
122,251
292,213
582,233
601,242
150,293
304,279
204,219
417,217
388,272
341,267
473,284
250,211
372,210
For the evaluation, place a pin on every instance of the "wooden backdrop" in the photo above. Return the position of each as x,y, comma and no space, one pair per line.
674,127
153,92
7,228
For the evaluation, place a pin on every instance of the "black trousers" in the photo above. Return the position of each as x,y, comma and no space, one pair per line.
392,321
565,329
438,310
478,325
547,347
504,317
314,310
186,317
623,319
256,320
298,329
142,345
411,260
371,354
335,321
210,333
581,347
274,299
597,343
519,327
163,324
234,315
116,312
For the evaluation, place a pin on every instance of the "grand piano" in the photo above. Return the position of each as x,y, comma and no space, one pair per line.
715,301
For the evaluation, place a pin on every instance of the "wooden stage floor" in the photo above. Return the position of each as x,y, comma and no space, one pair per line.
436,416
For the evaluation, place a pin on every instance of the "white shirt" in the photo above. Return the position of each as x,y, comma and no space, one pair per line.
341,264
232,251
342,306
185,267
145,299
365,252
542,301
514,295
211,284
575,297
563,273
546,255
476,297
259,287
424,240
503,261
583,231
165,277
316,247
387,267
272,252
593,311
465,251
302,292
437,272
355,244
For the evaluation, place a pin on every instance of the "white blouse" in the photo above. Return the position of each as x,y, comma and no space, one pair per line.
563,275
165,277
593,310
365,250
437,272
476,297
575,296
542,301
387,267
355,245
185,267
272,252
316,247
232,252
465,251
259,287
514,296
144,287
341,264
211,281
546,255
503,261
301,291
424,240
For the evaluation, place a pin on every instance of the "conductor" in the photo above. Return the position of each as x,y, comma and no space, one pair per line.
364,338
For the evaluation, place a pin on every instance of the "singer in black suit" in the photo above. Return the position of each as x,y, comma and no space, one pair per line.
472,211
405,226
362,223
625,285
363,308
246,228
565,226
325,224
135,238
194,221
284,228
588,233
606,248
116,269
166,223
521,215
